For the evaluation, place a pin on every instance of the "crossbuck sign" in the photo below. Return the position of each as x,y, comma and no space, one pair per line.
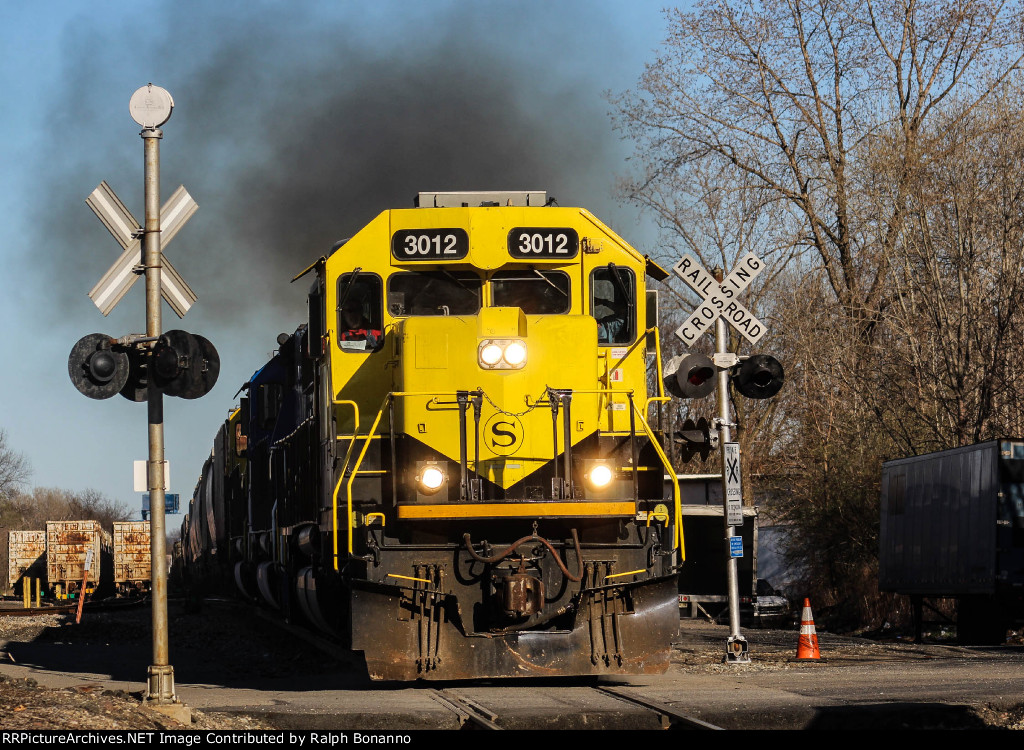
126,230
719,299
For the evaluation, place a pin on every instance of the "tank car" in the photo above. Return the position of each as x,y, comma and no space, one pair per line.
454,465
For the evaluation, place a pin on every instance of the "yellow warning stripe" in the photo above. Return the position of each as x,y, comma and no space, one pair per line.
515,510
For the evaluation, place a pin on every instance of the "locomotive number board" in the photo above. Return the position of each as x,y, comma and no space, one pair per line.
543,242
430,244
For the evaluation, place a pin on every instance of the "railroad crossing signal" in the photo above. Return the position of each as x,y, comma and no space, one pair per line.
128,232
719,299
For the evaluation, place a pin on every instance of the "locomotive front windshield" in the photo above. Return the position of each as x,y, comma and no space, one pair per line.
535,292
434,293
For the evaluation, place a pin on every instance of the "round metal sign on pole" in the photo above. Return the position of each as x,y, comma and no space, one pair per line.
151,106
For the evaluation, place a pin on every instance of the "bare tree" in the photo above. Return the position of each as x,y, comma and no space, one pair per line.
14,469
958,314
870,150
789,94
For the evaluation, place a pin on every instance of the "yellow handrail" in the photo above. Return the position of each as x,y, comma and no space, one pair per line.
679,541
359,460
355,430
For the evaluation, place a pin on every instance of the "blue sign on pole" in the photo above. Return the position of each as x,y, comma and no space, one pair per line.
170,504
735,546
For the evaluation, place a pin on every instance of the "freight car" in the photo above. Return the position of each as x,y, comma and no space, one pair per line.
132,558
26,558
454,466
68,544
952,526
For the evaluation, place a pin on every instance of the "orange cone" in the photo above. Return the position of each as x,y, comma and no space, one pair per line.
807,648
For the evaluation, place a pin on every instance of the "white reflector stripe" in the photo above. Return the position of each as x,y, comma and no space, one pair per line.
112,212
176,211
117,281
174,289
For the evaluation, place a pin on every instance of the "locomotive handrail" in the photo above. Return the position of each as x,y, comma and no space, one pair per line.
359,460
678,541
657,348
355,409
355,429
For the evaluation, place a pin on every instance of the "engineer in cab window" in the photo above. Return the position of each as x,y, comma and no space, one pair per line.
356,332
612,290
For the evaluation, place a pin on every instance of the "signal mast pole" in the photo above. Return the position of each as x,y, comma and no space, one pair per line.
151,107
736,646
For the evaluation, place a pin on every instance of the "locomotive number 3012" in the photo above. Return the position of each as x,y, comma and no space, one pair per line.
430,244
553,242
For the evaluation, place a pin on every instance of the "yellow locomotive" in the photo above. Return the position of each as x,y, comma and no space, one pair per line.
452,467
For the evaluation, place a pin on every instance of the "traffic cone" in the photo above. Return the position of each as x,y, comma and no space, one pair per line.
807,648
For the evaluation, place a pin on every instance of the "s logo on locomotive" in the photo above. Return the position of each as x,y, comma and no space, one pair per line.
504,434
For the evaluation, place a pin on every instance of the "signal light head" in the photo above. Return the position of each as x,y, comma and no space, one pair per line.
102,366
690,376
98,367
185,364
759,376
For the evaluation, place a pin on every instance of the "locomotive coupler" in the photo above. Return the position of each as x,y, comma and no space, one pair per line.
520,594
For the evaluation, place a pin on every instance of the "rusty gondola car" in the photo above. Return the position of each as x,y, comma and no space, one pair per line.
132,558
26,559
70,545
454,466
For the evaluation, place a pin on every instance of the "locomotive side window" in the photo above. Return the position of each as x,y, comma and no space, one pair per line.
536,292
434,293
360,312
613,304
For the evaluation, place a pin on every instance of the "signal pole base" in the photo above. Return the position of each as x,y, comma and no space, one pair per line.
161,697
736,650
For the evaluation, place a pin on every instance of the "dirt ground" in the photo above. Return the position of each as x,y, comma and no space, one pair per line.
25,705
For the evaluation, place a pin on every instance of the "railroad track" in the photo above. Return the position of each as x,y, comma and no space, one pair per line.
471,714
499,710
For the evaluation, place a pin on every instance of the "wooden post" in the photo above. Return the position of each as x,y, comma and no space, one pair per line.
85,579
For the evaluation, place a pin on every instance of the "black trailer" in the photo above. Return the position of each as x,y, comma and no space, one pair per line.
703,588
952,526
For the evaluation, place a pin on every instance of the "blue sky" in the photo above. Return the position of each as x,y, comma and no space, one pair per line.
293,124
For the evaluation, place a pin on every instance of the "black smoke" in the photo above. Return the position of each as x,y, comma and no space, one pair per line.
292,133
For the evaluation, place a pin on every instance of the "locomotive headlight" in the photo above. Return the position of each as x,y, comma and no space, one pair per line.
431,479
502,354
600,475
515,353
490,354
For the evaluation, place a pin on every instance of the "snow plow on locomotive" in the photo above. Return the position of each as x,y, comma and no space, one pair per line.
452,467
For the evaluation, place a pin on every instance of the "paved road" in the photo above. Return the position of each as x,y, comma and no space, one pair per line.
859,684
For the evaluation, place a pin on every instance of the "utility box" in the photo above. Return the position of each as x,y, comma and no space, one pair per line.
952,525
26,557
132,557
67,545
